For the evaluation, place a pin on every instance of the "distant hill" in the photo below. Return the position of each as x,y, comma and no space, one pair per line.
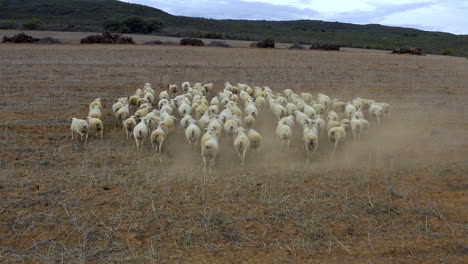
97,15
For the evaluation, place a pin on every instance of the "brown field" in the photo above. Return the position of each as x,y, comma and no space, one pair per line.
400,196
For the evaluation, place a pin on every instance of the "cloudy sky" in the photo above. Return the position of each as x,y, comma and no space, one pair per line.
435,15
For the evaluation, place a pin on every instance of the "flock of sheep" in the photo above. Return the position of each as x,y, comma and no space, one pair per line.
206,116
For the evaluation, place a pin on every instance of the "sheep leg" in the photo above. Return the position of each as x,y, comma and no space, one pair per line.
204,164
72,133
334,149
136,141
102,133
354,135
160,146
86,138
243,156
238,154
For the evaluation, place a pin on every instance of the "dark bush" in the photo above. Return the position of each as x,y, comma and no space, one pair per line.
107,38
191,42
325,46
20,38
412,51
133,25
266,43
48,40
136,25
219,44
296,46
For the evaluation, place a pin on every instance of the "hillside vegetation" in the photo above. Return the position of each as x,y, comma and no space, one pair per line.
100,15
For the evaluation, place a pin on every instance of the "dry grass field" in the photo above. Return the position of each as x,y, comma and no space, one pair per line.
400,196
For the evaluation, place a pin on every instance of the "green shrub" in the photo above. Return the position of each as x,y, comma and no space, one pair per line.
448,52
7,25
34,23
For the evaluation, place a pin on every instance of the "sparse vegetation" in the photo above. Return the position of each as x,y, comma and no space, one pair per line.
48,40
32,24
99,16
219,44
296,46
393,201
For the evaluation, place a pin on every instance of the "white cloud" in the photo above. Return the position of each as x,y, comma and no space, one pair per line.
437,15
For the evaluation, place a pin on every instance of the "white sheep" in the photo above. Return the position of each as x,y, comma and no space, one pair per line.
310,136
129,124
350,109
80,127
320,124
186,121
140,132
307,97
332,116
319,108
192,134
149,97
375,111
95,112
230,127
249,121
172,90
158,137
356,127
122,114
96,102
309,111
184,109
291,108
241,144
337,135
301,117
116,106
288,120
251,109
215,125
214,109
279,111
284,133
209,149
164,95
324,100
95,127
255,139
185,87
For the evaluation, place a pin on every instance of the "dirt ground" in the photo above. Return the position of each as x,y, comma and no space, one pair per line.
399,196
